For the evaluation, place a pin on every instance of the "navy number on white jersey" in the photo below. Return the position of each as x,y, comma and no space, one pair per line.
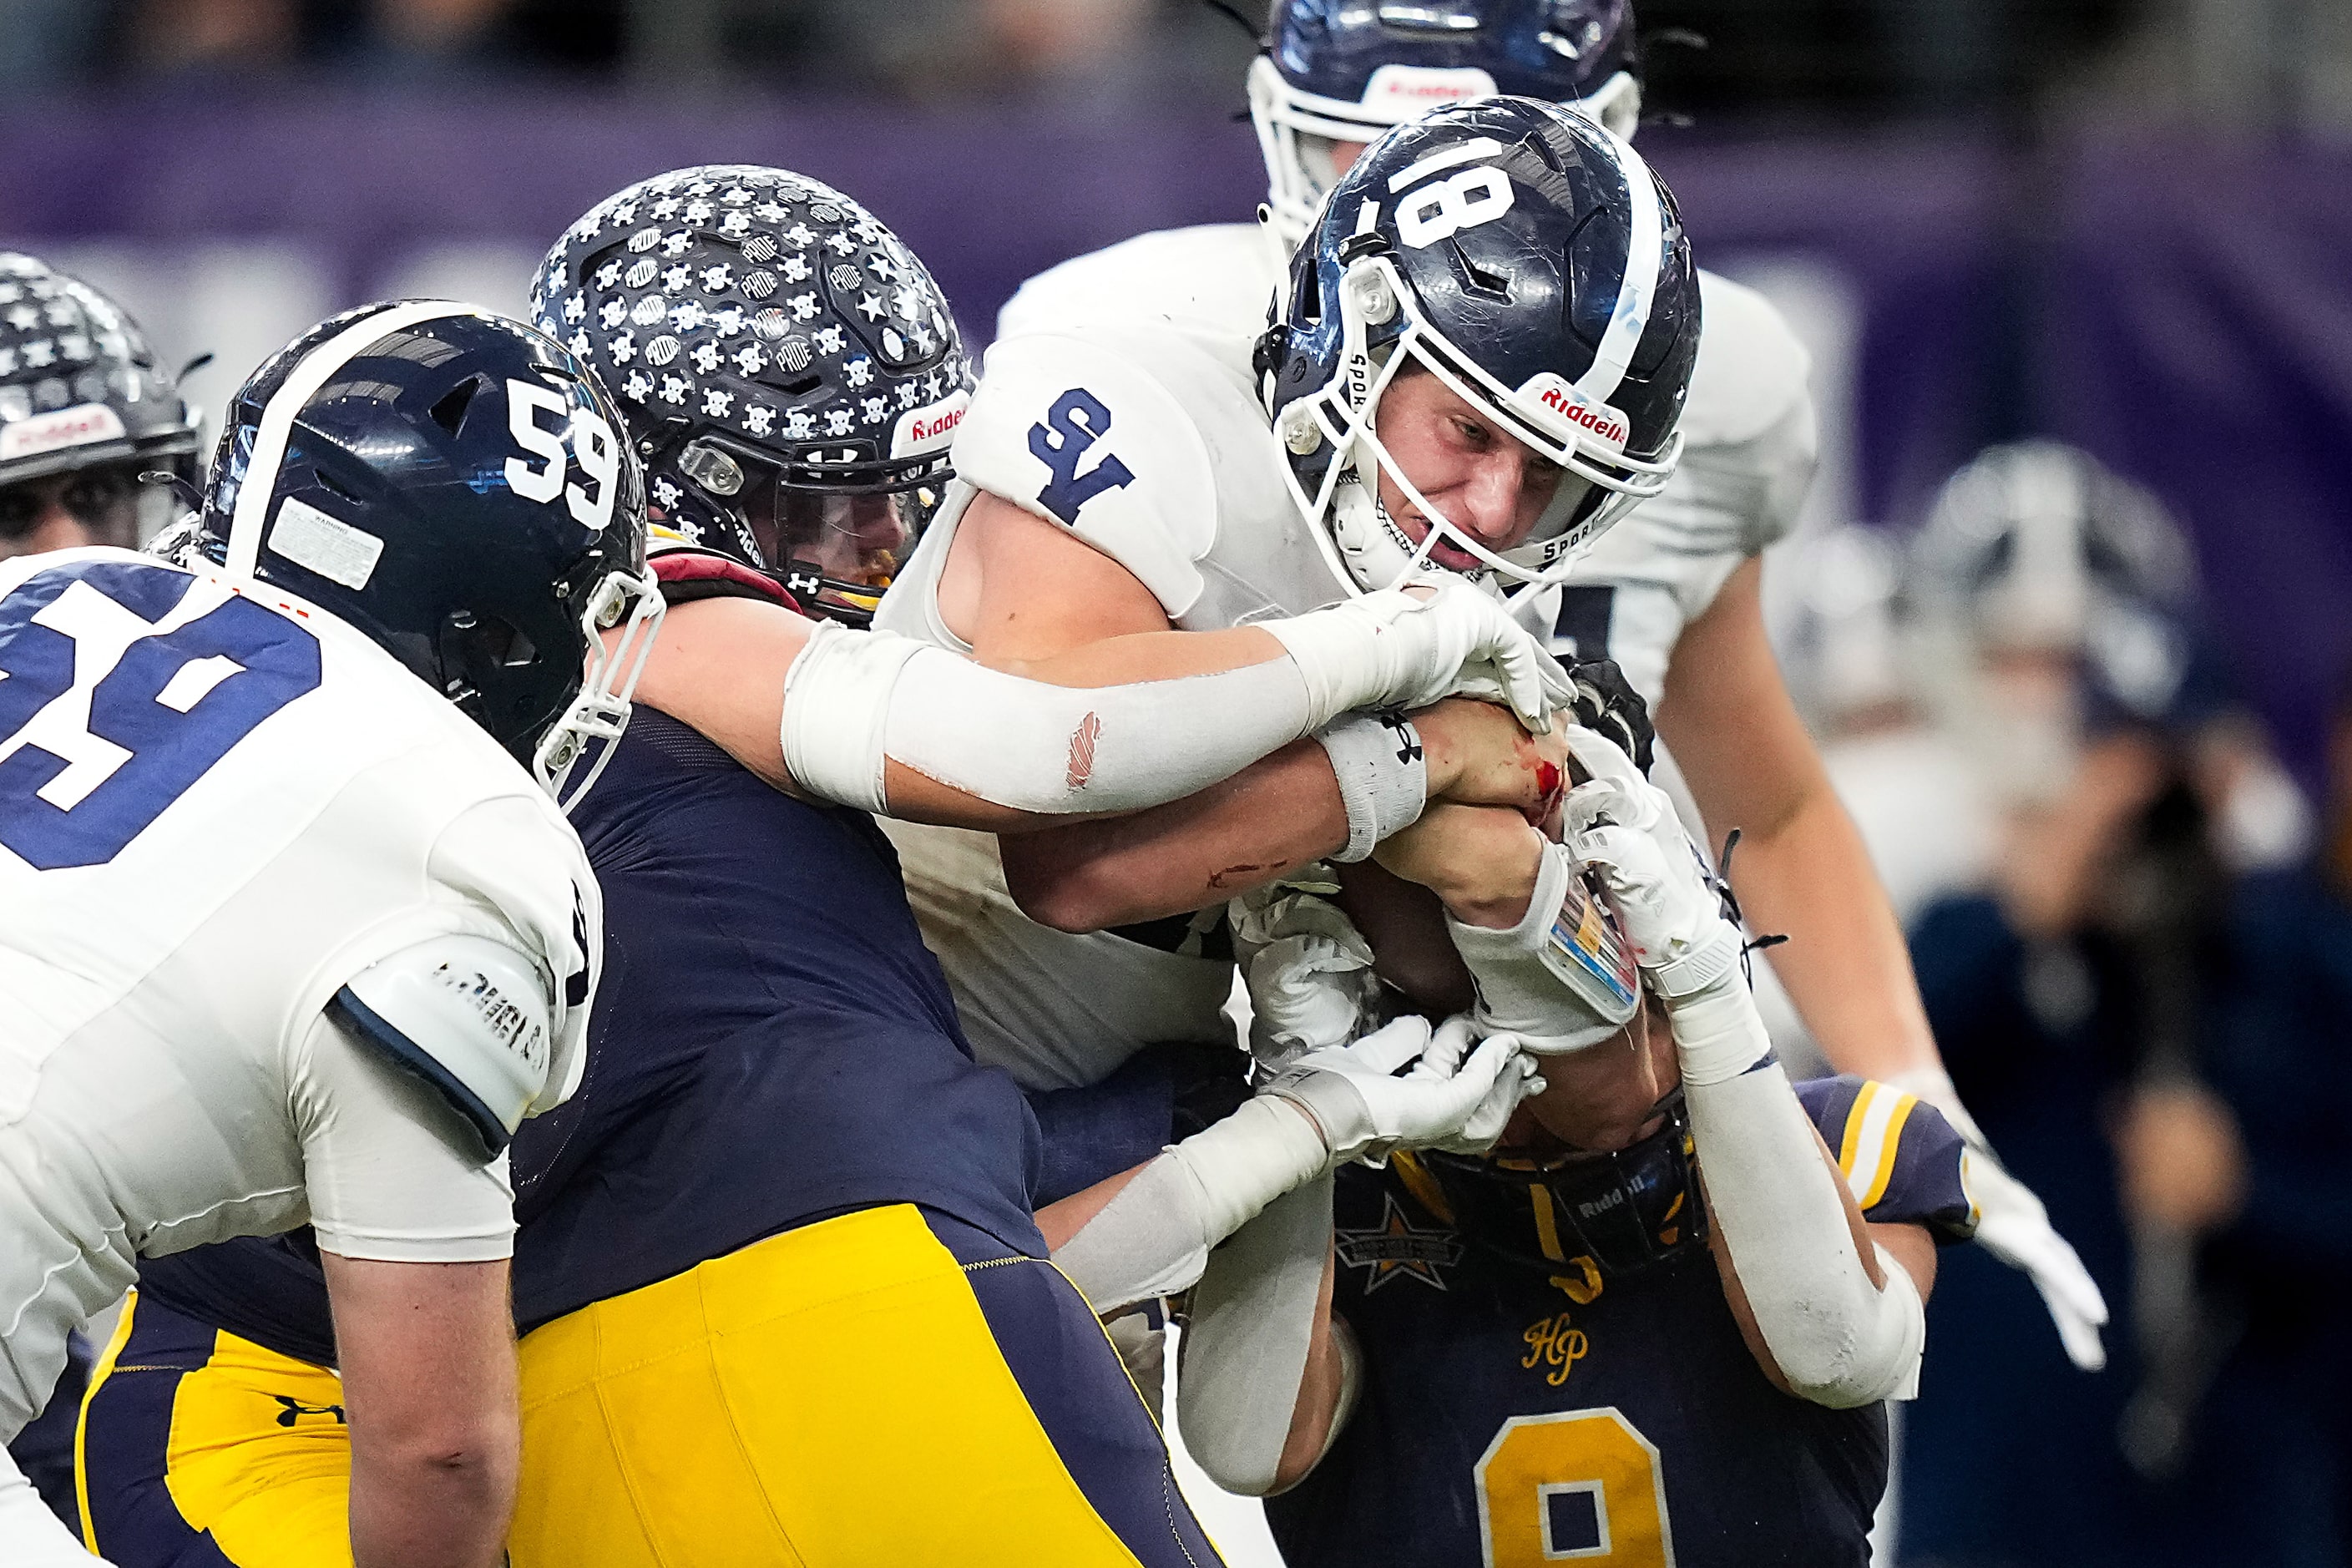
105,722
1076,422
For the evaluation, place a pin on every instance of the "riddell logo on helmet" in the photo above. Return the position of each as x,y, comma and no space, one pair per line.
1555,407
929,428
79,427
1412,88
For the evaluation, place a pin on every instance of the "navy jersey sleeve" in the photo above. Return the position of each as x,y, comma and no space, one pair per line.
1901,1159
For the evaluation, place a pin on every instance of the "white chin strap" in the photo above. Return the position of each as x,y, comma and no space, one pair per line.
600,710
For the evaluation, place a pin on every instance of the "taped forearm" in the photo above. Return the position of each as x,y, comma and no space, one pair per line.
854,700
1153,1238
1534,981
1838,1340
1247,1340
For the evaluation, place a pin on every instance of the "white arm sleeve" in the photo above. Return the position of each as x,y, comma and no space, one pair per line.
1153,1238
394,1174
853,698
1838,1340
1245,1345
30,1535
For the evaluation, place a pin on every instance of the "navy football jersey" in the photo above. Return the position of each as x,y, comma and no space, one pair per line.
773,1045
1512,1414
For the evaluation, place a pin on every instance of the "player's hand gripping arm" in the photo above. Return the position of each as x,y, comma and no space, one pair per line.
1112,725
1148,1231
1839,1322
1802,871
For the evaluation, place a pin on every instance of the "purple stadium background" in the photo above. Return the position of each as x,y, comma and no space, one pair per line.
2182,308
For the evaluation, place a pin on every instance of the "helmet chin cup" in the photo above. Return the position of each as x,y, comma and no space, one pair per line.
600,709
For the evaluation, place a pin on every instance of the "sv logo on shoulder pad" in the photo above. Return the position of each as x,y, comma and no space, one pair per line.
1061,440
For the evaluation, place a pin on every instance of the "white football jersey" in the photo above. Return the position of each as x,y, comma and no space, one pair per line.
215,809
1144,438
1118,400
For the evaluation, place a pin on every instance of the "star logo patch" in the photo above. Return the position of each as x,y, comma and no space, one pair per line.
1394,1249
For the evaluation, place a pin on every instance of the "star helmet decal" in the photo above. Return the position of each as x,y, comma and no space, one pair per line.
765,307
1396,1249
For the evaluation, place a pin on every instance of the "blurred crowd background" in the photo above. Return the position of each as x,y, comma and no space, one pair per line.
2249,61
2068,611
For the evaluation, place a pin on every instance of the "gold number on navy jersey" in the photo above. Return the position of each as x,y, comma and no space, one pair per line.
1582,1485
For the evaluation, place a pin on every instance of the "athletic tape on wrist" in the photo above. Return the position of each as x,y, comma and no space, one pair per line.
1383,777
1535,980
1709,959
1718,1034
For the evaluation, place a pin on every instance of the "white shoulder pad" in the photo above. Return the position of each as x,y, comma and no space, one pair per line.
1217,277
1078,429
469,1016
1751,369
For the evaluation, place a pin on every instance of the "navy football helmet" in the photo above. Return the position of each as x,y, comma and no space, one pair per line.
1345,70
452,484
1582,1218
80,392
1526,257
791,373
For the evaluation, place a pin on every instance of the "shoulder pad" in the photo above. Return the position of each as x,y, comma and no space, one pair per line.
1901,1159
1218,276
1078,428
469,1016
1751,371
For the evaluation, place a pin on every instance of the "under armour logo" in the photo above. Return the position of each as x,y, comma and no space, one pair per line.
294,1410
1408,739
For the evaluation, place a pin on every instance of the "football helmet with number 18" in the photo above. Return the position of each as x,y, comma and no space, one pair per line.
1526,257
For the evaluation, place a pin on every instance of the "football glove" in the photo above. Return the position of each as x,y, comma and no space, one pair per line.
1623,827
1363,1108
2013,1226
1436,636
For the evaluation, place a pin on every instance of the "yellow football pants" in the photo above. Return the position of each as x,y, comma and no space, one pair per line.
847,1394
198,1447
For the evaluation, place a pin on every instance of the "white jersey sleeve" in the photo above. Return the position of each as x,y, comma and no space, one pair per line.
392,1172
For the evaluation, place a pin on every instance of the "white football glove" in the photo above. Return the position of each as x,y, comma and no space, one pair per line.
1434,637
1623,827
2013,1226
1308,970
1355,1099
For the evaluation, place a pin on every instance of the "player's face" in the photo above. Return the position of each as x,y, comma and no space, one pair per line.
1605,1097
88,506
1477,477
848,538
